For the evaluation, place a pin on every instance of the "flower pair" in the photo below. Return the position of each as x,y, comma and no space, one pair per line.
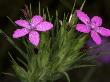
37,23
92,26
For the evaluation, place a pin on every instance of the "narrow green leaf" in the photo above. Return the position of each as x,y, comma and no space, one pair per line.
39,8
20,72
67,76
20,60
11,21
0,31
48,13
10,74
30,10
80,42
80,66
14,45
82,5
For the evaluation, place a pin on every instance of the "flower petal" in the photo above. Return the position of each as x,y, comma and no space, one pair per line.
34,38
20,32
23,23
82,16
35,20
82,28
96,20
44,26
96,38
103,31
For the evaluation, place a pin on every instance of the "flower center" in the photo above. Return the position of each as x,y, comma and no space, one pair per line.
32,26
93,27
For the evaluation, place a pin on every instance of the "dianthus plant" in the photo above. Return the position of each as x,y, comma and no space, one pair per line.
52,46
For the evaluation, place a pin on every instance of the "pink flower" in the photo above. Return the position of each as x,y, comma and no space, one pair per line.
92,26
37,23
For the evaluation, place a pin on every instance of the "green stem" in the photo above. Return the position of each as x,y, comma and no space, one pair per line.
67,76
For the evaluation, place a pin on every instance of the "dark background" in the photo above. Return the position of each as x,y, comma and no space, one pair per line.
12,8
